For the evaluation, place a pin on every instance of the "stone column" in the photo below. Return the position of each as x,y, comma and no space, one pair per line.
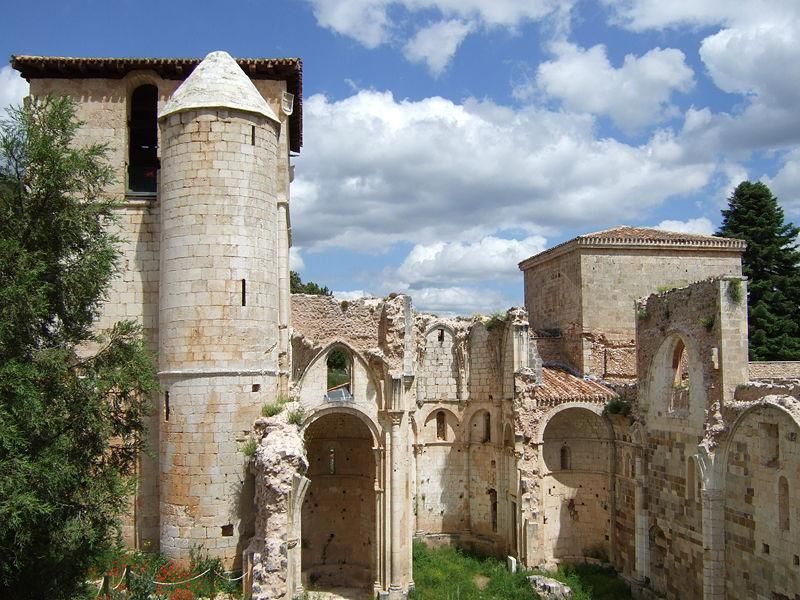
396,581
380,538
713,544
284,296
642,535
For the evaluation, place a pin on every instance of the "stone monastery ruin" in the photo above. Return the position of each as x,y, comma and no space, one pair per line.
584,427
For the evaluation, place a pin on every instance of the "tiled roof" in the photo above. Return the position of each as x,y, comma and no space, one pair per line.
559,385
289,70
638,237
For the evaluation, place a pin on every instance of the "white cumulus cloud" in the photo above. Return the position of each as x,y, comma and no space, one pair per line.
377,170
436,44
635,94
13,89
458,262
699,225
296,262
786,183
457,300
377,22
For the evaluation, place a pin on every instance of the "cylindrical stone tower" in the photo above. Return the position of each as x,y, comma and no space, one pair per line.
218,301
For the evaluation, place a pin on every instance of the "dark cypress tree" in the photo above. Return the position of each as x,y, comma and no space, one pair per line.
772,265
73,400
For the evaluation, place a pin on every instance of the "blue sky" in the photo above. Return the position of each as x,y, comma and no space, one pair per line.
445,140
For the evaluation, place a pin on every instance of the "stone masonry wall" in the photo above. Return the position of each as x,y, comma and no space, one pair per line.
761,522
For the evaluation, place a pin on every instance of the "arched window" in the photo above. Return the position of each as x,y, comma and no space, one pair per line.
487,427
783,504
143,140
566,458
441,429
340,373
332,461
680,379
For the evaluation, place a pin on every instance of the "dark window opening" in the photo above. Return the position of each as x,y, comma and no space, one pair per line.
487,428
566,458
441,336
227,530
256,387
441,431
143,140
493,508
253,135
332,461
244,292
340,368
166,406
765,548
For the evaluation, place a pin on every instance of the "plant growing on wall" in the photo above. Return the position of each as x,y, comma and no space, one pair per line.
73,402
772,266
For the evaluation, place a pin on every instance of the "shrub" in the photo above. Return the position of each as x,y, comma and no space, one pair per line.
618,406
297,416
249,448
707,322
735,291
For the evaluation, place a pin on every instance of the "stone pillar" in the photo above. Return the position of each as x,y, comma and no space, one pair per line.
284,297
713,544
396,581
380,525
642,535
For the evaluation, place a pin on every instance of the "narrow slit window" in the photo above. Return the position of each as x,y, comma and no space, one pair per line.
252,135
566,458
783,504
166,406
441,336
332,461
441,431
244,292
487,427
493,509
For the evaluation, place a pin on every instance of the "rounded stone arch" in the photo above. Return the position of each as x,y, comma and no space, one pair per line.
790,407
322,355
750,484
675,380
140,77
317,414
440,325
590,406
431,426
479,427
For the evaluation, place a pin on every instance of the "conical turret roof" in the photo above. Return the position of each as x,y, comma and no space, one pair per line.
218,82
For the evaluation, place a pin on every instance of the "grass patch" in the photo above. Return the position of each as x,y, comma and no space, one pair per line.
451,574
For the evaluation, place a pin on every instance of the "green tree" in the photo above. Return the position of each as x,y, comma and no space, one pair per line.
296,286
772,265
72,400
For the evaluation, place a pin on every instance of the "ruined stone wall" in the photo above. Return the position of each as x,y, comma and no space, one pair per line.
625,454
438,373
762,506
370,326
